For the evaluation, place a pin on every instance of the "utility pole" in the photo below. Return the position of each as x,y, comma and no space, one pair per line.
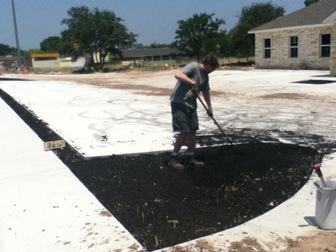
16,36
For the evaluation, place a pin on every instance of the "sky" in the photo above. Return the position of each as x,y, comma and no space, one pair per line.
155,21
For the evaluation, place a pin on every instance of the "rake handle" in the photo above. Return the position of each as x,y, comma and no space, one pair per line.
210,115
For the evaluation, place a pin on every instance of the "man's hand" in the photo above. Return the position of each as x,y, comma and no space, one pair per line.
194,89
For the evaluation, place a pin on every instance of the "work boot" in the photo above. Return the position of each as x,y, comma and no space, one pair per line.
174,163
192,160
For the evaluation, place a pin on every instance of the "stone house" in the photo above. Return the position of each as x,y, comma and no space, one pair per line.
305,39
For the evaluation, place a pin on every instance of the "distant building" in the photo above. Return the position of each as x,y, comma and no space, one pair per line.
69,63
150,54
305,39
43,60
53,60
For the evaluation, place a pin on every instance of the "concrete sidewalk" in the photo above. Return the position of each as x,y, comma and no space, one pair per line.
44,207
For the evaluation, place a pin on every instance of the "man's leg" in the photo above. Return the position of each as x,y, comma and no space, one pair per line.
191,150
173,161
182,137
191,141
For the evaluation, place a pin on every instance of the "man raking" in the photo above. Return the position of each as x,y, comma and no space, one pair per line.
191,80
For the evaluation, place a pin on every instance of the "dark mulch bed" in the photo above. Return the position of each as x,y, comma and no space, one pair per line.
163,207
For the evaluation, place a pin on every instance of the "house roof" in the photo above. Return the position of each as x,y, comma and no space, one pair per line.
315,14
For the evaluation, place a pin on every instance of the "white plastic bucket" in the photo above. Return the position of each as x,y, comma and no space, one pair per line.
325,210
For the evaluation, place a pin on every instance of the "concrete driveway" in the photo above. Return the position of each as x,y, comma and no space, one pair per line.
99,120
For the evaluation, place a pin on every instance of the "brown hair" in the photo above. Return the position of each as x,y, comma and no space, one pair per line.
211,61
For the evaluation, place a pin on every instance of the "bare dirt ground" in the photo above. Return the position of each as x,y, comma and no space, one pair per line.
149,83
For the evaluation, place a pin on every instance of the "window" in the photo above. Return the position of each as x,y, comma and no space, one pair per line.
267,48
45,58
325,45
294,47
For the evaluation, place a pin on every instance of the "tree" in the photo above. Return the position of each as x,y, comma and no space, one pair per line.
309,2
95,32
51,44
199,35
157,45
6,49
240,42
153,45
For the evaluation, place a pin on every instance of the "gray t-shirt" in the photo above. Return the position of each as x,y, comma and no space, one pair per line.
182,92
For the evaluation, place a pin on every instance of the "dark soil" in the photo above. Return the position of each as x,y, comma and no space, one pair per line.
163,207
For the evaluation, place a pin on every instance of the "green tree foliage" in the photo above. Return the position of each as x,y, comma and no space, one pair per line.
33,50
95,32
240,42
153,45
7,50
199,35
157,45
51,44
309,2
